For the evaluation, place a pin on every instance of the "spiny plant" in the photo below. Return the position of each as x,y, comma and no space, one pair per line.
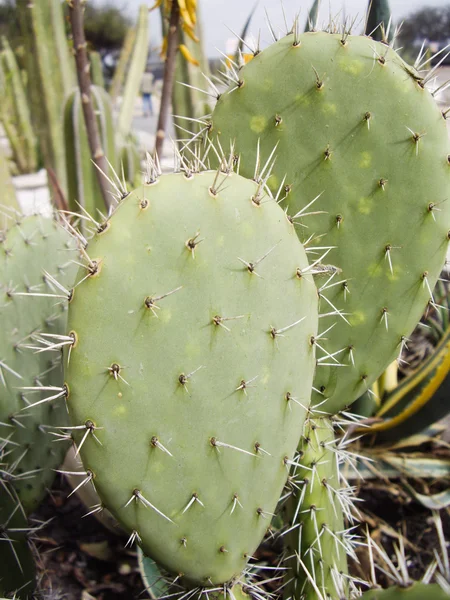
82,181
15,113
362,151
379,21
360,146
34,253
48,59
8,200
191,366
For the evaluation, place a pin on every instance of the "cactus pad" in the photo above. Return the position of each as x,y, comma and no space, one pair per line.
356,129
191,368
27,452
314,513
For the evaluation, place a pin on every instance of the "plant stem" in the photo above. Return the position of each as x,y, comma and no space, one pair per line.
84,82
169,76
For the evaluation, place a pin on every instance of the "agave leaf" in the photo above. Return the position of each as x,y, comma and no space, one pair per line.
433,501
155,584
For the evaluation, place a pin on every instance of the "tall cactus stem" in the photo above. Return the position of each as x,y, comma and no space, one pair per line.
124,59
84,82
137,67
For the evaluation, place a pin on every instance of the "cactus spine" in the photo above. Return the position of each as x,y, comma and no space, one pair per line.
82,183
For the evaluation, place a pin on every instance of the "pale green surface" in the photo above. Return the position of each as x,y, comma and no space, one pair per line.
281,82
143,253
318,484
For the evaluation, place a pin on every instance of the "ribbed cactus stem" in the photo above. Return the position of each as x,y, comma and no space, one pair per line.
96,69
49,60
15,113
378,22
7,193
187,101
82,182
124,59
63,55
135,72
317,545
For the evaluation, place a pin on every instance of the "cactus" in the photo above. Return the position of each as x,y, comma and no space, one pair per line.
357,131
7,192
130,161
417,591
378,21
48,60
137,66
82,183
17,570
191,367
362,158
192,71
96,69
313,16
124,59
34,251
15,113
317,541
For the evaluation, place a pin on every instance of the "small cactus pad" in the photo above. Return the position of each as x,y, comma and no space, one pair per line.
32,253
314,513
192,367
417,591
356,130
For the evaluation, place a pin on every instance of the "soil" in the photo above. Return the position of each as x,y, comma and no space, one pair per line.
82,560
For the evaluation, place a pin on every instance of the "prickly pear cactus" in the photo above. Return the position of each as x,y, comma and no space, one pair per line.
32,253
417,591
17,570
356,130
83,187
314,515
191,368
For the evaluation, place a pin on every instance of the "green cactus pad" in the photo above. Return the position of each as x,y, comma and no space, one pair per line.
353,124
27,452
192,368
417,591
314,513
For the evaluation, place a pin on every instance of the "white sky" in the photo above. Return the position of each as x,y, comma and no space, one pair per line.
218,14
